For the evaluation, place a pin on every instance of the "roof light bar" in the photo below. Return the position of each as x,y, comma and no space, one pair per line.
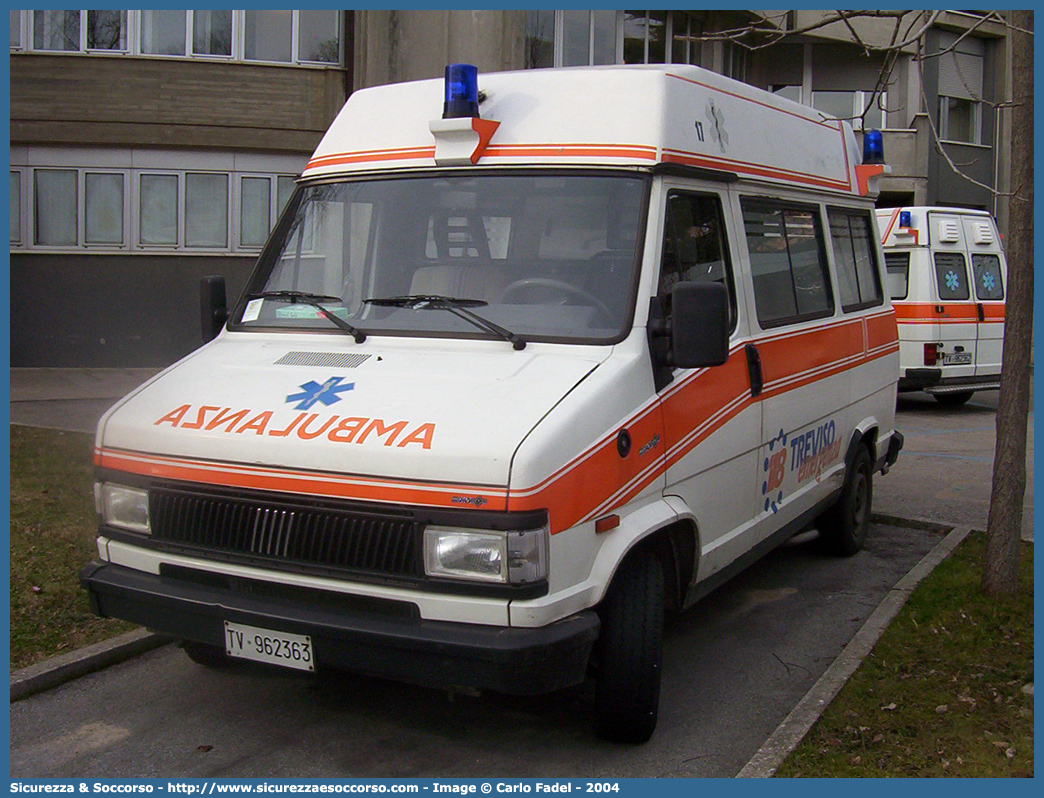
461,91
873,147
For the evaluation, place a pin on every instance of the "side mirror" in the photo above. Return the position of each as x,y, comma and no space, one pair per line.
212,306
699,326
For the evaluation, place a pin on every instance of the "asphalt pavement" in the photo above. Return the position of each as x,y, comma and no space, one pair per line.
912,496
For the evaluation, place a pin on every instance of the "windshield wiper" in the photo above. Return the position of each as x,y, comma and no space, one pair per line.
314,301
456,306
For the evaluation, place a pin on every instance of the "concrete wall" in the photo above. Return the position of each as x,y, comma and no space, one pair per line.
106,101
393,46
130,311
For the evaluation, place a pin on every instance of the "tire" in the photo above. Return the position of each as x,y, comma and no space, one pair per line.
842,528
954,399
206,655
627,690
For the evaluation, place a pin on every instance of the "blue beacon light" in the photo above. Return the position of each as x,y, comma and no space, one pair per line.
461,91
905,219
873,147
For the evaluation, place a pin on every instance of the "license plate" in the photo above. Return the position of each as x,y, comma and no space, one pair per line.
267,645
957,359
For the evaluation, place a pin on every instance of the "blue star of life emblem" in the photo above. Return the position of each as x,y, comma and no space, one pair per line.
328,393
952,281
988,281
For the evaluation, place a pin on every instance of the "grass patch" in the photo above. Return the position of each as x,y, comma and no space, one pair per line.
53,526
942,693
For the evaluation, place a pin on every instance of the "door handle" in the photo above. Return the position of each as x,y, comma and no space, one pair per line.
982,311
757,379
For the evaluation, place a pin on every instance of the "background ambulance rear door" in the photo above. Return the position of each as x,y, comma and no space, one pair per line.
989,275
956,310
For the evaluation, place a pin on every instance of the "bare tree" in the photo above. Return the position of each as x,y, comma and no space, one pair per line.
1004,530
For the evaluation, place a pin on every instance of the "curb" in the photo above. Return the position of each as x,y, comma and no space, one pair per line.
796,725
66,667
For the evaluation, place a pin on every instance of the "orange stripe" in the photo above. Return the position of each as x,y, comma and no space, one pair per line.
891,224
692,159
572,150
927,313
311,483
371,156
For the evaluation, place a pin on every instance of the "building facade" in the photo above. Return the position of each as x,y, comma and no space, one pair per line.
150,148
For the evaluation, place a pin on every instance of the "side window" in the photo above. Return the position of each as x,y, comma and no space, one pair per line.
988,281
694,246
852,238
898,266
951,276
788,262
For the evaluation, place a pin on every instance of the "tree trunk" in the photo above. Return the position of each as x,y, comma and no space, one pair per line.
1004,529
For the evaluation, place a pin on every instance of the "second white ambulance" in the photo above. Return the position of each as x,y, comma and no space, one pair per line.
528,361
947,275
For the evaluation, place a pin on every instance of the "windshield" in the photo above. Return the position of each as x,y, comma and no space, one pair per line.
548,257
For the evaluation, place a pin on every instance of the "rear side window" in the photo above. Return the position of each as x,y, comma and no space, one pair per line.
788,262
851,235
988,281
951,276
898,266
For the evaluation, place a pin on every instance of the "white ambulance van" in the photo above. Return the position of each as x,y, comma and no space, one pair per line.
529,360
946,276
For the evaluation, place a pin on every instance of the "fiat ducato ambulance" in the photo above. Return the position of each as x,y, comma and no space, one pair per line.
946,275
530,359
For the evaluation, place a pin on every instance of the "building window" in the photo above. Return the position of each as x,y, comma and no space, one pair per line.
56,30
56,199
103,208
268,35
107,30
863,109
212,32
307,37
960,120
317,36
163,32
146,210
16,30
158,218
961,82
206,210
582,38
16,208
734,61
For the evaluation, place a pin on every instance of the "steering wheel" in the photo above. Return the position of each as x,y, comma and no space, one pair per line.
569,290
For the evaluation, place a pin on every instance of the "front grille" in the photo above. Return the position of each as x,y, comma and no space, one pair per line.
289,533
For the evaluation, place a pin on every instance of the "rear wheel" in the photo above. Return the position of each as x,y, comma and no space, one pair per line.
843,527
955,399
627,693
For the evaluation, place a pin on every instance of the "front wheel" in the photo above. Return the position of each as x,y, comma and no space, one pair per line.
627,692
843,527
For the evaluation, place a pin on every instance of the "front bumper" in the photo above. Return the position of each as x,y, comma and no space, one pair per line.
510,660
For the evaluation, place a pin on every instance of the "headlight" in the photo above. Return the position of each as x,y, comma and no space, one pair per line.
506,557
123,507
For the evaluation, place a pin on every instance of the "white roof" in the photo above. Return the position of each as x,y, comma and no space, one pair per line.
635,116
